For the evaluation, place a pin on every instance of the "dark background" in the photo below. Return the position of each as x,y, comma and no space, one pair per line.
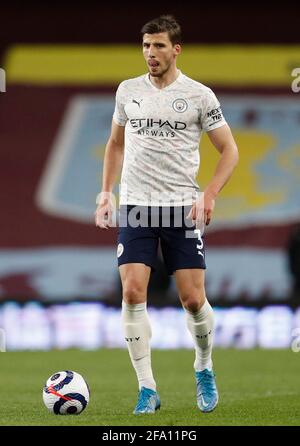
97,22
203,22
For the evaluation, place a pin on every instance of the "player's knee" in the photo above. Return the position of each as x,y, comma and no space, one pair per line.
133,292
192,303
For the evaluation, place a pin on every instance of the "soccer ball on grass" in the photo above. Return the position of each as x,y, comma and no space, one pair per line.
66,393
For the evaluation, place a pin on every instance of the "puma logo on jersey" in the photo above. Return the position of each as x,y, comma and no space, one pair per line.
137,102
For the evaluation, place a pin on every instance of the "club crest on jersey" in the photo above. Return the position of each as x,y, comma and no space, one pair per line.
180,105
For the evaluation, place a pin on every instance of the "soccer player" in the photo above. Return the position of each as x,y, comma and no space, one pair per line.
156,129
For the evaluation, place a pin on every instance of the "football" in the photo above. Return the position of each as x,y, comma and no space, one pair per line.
66,393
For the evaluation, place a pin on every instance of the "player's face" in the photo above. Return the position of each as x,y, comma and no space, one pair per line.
159,53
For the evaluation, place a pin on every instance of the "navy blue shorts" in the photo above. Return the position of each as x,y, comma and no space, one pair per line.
141,228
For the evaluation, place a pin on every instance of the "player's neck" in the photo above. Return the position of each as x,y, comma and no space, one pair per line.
166,79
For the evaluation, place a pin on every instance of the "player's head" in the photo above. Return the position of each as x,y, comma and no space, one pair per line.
161,44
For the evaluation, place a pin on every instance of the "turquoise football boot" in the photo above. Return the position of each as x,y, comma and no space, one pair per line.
207,393
148,401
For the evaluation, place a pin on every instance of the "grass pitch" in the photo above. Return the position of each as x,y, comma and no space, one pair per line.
257,388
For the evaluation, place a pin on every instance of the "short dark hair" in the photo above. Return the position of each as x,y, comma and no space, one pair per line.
164,23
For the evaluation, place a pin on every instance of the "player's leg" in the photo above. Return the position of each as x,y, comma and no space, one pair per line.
137,329
136,323
184,255
183,252
200,322
137,252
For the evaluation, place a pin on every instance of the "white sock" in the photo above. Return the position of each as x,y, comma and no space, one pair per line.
201,326
137,331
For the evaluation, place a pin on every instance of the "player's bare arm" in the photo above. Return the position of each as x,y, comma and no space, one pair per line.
223,141
113,160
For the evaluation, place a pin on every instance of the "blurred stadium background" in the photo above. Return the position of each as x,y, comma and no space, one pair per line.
59,285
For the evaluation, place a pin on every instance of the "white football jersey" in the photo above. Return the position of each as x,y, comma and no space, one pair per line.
163,128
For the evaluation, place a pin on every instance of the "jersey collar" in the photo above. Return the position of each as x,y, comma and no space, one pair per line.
178,78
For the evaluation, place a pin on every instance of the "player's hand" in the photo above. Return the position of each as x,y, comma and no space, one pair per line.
209,205
202,209
196,213
104,212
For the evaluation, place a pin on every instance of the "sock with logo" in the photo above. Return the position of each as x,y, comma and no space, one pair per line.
137,331
201,326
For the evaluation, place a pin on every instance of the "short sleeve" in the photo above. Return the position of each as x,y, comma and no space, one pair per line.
211,115
119,115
